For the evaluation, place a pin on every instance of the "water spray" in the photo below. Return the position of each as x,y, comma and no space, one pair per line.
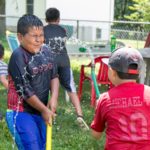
84,47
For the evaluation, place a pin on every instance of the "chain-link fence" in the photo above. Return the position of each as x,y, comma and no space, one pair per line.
96,34
131,33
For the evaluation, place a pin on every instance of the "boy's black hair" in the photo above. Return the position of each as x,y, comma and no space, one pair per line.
127,75
52,14
27,21
1,51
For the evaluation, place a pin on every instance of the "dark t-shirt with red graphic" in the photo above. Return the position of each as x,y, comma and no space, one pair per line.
55,38
30,74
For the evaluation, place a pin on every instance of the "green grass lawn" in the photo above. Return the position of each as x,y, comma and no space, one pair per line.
66,133
133,43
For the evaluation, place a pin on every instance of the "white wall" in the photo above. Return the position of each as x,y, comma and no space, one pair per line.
14,8
17,8
39,8
101,10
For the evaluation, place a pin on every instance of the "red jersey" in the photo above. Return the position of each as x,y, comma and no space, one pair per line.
125,113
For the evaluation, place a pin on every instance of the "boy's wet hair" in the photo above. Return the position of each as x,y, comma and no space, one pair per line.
1,51
27,21
52,14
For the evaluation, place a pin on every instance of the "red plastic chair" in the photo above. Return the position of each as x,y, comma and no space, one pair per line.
147,42
101,76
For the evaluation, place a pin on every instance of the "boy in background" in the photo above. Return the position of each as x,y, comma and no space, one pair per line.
3,71
124,111
55,38
3,68
32,74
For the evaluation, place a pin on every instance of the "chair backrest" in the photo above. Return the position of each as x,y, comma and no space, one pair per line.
102,74
69,30
12,40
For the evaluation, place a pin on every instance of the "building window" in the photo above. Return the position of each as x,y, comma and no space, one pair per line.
30,7
98,33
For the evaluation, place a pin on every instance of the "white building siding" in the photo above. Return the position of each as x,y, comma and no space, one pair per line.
39,8
101,10
14,8
70,9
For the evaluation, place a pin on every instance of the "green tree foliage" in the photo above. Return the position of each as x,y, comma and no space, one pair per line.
132,10
140,11
122,9
147,12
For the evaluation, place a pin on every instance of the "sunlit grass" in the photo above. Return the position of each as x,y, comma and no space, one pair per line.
133,43
66,134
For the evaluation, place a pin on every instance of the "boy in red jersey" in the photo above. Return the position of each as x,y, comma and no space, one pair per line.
124,110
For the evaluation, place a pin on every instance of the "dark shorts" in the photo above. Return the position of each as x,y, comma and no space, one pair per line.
30,130
66,78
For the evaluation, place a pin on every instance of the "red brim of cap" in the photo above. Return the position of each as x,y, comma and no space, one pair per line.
132,71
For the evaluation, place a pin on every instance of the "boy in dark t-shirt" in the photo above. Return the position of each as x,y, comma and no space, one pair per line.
31,73
55,38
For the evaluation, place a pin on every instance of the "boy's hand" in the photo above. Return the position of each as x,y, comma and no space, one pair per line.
52,104
47,116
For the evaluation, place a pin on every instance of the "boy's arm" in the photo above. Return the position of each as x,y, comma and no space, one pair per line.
37,104
98,123
54,84
54,88
95,134
4,81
